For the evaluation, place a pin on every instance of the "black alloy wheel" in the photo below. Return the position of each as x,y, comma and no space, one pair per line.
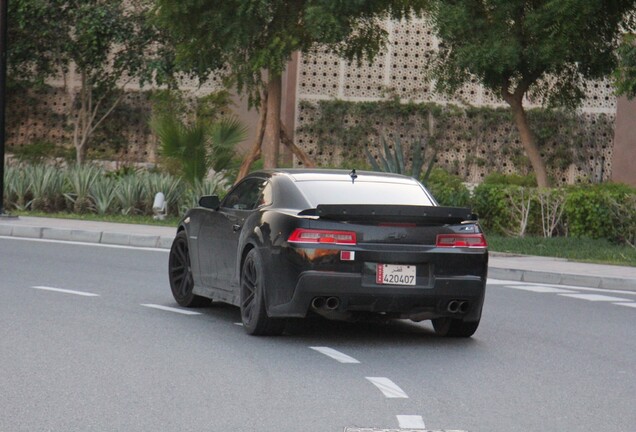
180,273
453,327
252,297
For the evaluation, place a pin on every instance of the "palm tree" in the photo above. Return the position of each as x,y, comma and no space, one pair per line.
198,146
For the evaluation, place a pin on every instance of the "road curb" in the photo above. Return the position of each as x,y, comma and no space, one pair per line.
84,236
554,278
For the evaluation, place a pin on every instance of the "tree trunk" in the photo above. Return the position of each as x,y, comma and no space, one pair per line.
255,152
528,140
271,136
85,120
80,120
297,151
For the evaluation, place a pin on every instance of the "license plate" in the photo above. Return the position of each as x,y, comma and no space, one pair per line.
395,274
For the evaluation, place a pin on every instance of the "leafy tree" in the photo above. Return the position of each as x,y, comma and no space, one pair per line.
103,44
35,49
547,48
625,73
253,40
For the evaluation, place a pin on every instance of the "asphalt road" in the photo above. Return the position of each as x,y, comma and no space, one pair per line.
104,356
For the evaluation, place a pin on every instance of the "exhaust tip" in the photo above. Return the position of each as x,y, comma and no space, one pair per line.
453,306
318,302
332,303
464,306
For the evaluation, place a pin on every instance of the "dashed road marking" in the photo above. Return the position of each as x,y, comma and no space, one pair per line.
411,422
388,387
171,309
240,324
66,291
595,297
336,355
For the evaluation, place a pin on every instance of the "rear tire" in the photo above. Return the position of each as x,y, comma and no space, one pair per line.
252,297
180,274
452,327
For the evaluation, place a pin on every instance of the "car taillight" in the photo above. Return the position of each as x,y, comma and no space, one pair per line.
461,240
302,235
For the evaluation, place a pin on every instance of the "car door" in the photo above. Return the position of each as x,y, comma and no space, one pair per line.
218,238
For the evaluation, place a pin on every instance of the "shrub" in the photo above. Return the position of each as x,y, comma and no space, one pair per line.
511,179
172,188
18,187
47,188
216,185
490,203
448,189
130,195
603,210
80,180
103,193
508,209
393,158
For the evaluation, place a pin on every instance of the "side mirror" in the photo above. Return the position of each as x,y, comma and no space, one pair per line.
210,201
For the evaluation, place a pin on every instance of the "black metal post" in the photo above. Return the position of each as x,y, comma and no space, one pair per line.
3,93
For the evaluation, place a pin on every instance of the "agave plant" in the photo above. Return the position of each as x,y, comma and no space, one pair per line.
171,187
103,193
47,187
80,180
391,159
18,186
129,193
215,185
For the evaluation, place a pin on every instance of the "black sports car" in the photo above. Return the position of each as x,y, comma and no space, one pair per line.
291,242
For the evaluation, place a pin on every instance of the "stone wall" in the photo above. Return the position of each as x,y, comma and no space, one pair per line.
400,72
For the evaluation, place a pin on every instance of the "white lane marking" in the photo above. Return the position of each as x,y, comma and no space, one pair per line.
632,304
541,289
86,244
66,291
387,387
239,324
514,284
334,354
171,309
411,422
490,281
595,297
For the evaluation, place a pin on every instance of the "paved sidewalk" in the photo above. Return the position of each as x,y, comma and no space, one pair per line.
502,266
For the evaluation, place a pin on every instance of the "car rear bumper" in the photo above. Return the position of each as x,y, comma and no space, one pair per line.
355,294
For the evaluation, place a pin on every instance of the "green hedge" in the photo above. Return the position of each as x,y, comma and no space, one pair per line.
448,189
596,211
601,211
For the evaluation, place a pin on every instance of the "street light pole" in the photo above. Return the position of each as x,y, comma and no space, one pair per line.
3,93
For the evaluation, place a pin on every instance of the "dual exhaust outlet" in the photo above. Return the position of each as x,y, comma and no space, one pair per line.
458,306
328,303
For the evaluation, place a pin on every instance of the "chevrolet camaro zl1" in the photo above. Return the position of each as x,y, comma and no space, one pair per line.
287,243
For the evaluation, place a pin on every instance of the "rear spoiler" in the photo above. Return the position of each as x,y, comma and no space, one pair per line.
392,213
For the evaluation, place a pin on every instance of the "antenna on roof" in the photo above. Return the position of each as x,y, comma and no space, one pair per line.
353,175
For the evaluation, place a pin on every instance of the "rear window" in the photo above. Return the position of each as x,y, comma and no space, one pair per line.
363,192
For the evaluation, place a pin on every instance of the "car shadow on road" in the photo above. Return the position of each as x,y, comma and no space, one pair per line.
315,330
